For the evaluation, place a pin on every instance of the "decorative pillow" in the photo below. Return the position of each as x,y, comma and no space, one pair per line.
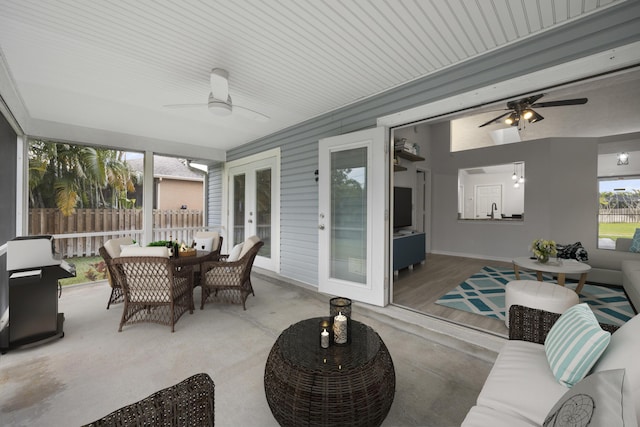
234,255
601,399
635,242
204,243
574,251
574,344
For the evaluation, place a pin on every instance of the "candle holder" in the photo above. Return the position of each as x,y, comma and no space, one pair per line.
326,324
340,305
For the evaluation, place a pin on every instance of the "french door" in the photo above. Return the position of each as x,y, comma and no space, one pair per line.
353,216
253,201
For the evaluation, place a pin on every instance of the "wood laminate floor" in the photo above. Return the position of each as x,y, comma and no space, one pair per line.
419,288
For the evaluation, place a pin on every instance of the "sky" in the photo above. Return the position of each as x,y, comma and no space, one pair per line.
620,185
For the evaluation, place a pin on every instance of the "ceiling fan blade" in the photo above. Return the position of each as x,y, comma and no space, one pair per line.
495,120
562,102
252,114
177,106
219,80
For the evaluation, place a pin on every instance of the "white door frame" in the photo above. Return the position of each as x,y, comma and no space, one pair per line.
376,289
272,263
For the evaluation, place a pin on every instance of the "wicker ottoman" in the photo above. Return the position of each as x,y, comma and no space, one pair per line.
307,385
541,295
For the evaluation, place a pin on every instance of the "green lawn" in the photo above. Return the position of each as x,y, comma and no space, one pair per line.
617,229
88,269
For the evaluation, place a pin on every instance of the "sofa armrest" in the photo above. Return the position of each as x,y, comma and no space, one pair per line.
533,325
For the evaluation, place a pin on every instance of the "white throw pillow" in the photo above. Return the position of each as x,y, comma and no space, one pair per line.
204,243
601,399
234,255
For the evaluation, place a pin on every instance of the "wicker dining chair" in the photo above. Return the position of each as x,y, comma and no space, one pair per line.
230,281
191,402
155,290
108,252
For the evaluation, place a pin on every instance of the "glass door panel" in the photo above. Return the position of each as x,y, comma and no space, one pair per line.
239,204
263,210
349,215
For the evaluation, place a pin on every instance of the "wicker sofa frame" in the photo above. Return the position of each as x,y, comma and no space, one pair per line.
533,325
228,281
189,403
155,290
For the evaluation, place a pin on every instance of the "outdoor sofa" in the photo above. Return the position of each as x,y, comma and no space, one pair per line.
521,389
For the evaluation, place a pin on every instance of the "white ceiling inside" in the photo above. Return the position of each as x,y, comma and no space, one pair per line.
112,66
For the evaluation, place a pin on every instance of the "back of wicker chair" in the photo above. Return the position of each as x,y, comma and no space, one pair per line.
228,281
117,294
188,403
155,290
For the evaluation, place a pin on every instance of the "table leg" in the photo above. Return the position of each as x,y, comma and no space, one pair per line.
516,272
583,278
561,278
539,276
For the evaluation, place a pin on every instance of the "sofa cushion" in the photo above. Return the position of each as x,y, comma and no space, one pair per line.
631,281
622,352
521,383
601,399
481,416
574,344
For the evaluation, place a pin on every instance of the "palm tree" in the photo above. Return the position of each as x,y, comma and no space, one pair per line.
67,176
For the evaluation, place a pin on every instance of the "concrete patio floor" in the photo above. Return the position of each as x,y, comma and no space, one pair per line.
94,369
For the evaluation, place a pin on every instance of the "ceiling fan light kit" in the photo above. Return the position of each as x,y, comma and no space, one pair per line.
219,107
522,110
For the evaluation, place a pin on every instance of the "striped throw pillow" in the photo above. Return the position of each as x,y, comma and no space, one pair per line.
574,344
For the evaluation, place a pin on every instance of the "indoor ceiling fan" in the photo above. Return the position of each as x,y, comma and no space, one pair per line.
522,110
219,102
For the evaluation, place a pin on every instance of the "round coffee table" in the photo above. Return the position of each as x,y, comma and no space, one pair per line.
561,267
352,384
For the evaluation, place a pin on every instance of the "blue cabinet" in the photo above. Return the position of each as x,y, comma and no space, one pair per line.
408,250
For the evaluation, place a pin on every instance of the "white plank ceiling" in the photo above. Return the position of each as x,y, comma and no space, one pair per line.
114,65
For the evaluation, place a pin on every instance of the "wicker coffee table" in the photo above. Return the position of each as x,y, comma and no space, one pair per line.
352,384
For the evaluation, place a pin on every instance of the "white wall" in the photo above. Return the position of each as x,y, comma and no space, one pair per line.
561,196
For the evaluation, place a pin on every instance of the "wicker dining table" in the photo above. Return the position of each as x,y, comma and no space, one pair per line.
352,384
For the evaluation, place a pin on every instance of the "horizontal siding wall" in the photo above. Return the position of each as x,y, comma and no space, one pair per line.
614,27
214,195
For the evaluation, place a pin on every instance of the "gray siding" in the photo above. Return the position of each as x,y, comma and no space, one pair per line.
214,195
614,27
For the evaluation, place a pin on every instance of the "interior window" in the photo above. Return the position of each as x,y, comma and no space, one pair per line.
619,212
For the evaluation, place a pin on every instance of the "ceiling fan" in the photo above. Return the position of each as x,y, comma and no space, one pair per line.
522,110
219,102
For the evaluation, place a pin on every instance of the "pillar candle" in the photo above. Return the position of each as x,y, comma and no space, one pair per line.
324,339
340,328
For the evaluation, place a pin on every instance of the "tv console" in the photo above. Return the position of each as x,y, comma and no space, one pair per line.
408,250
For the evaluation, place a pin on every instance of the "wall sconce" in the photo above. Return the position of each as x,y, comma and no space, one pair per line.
623,159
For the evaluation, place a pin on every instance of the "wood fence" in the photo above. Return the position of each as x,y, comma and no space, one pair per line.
619,215
100,225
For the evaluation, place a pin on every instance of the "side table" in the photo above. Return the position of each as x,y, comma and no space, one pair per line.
352,384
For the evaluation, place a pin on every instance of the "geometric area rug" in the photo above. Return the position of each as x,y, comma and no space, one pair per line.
483,293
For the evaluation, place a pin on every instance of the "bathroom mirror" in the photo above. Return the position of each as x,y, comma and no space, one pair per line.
493,193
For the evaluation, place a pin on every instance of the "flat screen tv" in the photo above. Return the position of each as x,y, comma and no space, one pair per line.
402,207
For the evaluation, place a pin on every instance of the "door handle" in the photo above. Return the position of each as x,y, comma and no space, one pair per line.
250,221
321,226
